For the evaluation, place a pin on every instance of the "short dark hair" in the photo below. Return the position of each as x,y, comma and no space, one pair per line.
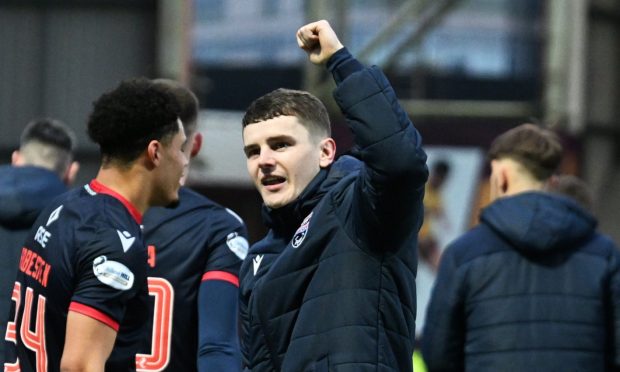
126,119
310,111
187,100
48,143
538,150
49,131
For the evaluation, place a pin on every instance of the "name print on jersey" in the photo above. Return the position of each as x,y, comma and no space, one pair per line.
34,266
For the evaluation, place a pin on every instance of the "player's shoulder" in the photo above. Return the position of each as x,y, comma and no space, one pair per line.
92,211
74,204
191,199
87,218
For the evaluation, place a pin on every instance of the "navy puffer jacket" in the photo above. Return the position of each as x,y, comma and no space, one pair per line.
332,285
532,288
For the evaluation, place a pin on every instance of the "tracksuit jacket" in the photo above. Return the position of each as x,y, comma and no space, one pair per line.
332,285
532,288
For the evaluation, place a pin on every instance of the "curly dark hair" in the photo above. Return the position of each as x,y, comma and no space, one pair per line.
126,119
187,100
310,111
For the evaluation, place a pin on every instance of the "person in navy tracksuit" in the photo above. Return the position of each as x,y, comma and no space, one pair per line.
332,285
533,287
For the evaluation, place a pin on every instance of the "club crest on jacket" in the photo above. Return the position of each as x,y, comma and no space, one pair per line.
301,232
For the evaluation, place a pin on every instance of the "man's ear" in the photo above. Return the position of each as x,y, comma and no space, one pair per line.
499,179
503,179
17,159
196,145
71,173
328,152
153,153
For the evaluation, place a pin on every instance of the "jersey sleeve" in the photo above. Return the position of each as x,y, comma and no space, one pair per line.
218,343
110,271
228,247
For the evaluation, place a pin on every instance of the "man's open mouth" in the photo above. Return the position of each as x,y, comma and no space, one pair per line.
272,180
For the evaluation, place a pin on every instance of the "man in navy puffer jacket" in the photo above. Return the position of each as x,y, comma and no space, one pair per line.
533,287
332,285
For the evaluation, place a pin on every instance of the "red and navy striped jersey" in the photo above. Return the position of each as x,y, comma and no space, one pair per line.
84,253
197,241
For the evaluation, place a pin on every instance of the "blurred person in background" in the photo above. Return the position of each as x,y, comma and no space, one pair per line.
41,169
533,287
332,284
195,252
79,299
573,187
434,215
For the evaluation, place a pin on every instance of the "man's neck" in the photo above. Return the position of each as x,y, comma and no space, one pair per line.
521,186
129,183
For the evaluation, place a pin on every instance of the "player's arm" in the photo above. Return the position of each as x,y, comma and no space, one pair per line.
218,296
88,344
391,188
107,279
319,40
218,343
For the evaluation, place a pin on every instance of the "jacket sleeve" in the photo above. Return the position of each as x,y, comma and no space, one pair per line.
387,201
614,295
443,340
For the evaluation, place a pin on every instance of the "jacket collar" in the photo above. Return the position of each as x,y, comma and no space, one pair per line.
286,220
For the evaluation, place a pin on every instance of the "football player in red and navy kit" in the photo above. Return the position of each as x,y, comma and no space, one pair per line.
195,252
79,297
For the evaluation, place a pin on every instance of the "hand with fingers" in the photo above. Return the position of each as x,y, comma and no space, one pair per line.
319,40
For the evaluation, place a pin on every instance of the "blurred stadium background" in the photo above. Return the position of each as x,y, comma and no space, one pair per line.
465,70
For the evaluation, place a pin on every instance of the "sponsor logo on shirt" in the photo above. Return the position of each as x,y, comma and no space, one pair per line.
256,262
54,216
237,244
113,273
301,232
42,236
126,239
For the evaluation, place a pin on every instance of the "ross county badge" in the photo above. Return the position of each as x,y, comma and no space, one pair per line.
301,232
